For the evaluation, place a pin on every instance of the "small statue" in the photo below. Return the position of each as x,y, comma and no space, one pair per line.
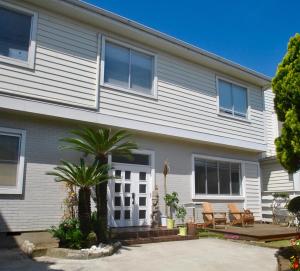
155,209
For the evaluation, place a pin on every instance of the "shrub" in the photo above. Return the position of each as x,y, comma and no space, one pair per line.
68,234
294,205
280,195
171,201
181,213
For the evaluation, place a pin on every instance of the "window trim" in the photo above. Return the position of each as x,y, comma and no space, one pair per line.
195,196
153,94
17,190
32,42
232,116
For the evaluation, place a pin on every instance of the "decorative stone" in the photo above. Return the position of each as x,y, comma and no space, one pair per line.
28,248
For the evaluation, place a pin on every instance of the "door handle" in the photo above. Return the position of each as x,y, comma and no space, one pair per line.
133,198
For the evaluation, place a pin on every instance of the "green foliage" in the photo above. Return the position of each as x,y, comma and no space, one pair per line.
68,234
181,213
280,195
100,143
171,201
91,239
286,86
294,205
84,177
81,175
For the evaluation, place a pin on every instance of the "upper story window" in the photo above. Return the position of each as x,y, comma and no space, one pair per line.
11,160
17,35
232,99
214,177
128,69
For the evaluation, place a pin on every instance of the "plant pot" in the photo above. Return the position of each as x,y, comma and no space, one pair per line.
163,220
182,231
170,223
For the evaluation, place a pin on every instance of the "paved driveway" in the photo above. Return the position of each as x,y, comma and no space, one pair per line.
203,254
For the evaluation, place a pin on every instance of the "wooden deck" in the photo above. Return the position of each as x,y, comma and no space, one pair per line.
258,232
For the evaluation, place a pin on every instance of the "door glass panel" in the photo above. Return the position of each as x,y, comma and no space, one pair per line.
118,173
117,201
142,201
235,179
117,215
127,188
127,201
142,188
117,187
142,176
135,159
127,175
142,214
224,176
127,214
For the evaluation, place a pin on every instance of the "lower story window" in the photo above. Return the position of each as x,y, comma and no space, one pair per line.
214,177
11,160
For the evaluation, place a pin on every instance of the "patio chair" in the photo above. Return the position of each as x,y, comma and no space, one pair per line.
212,218
237,217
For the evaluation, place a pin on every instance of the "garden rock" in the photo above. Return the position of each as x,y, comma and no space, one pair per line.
28,248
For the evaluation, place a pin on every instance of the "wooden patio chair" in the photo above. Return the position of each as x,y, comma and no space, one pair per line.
212,218
237,217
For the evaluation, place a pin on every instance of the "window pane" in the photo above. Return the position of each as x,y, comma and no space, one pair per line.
142,188
239,100
225,96
136,159
200,177
224,176
116,65
117,201
141,72
142,214
127,188
142,176
235,179
212,177
9,158
14,34
117,187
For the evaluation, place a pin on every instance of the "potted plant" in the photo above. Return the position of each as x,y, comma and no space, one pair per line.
181,214
171,201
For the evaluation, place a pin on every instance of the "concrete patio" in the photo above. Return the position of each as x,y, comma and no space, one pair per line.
202,254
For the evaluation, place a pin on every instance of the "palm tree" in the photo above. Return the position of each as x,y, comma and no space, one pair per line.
101,143
84,177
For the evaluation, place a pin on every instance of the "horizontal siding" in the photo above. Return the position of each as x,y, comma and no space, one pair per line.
253,189
275,178
65,65
271,122
187,99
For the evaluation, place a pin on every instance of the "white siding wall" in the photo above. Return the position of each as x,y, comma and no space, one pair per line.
65,64
40,205
271,122
253,189
187,99
66,71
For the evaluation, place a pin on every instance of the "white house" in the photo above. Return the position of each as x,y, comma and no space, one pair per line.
65,63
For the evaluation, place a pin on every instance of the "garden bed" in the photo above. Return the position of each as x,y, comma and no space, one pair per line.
283,256
78,254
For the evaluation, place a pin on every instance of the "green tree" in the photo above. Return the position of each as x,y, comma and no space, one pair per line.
286,86
101,143
84,177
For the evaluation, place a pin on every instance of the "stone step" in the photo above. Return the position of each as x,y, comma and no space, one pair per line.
158,239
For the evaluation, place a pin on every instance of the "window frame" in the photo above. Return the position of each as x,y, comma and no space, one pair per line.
18,189
32,41
195,196
247,118
124,89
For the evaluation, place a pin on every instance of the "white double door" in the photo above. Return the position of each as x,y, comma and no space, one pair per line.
130,195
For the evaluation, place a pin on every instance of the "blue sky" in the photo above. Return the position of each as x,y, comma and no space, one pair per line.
253,33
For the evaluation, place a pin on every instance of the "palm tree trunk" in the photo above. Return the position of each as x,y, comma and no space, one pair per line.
101,198
84,210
